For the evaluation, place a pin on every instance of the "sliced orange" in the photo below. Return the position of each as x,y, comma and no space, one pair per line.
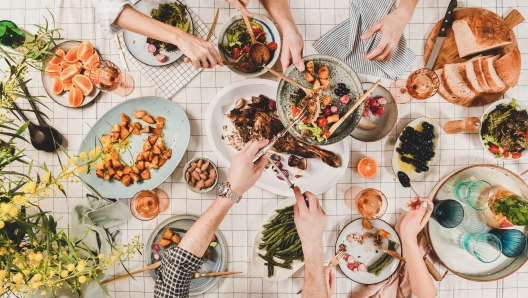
83,83
85,51
71,56
65,64
68,85
367,167
55,59
69,72
75,98
53,71
90,62
58,86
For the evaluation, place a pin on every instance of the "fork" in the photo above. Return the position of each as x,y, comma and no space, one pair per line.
335,260
266,148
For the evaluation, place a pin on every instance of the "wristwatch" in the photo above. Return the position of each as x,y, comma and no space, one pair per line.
224,190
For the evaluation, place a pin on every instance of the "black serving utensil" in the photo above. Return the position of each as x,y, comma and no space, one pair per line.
43,138
405,181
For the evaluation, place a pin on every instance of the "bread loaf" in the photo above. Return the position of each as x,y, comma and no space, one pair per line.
455,85
508,67
493,79
477,67
467,71
478,33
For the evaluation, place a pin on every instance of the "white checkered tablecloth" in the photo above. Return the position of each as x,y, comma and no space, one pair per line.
314,18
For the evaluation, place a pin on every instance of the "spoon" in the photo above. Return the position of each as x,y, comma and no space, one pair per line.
258,51
43,137
406,182
308,91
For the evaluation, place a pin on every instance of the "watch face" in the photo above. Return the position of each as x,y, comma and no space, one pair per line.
222,189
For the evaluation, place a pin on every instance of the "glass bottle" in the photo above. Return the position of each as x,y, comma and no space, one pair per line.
11,35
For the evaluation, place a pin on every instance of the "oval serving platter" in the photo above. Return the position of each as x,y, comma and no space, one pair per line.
184,222
340,72
398,165
446,242
318,177
258,263
137,43
367,253
176,134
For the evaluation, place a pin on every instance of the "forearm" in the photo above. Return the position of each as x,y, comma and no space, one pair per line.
314,280
135,21
422,285
197,239
406,9
280,12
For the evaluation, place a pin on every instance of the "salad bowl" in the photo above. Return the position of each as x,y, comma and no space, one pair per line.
486,139
228,40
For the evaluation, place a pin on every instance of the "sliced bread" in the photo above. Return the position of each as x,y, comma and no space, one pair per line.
455,85
467,71
508,67
441,88
477,67
478,33
493,79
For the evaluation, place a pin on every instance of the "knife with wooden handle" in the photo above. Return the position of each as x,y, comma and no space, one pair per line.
448,21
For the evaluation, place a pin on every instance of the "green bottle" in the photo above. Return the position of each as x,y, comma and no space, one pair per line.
11,35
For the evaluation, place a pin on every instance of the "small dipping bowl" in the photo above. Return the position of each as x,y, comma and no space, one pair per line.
193,188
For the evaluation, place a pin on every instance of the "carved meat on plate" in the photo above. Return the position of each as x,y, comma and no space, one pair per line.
259,120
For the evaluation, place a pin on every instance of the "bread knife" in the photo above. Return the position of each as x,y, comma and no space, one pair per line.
448,21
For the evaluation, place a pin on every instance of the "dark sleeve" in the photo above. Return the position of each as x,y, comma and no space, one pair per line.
175,273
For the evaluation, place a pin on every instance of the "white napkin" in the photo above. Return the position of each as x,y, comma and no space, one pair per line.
344,42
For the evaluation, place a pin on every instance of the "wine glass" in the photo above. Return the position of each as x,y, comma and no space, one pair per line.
147,204
368,202
421,84
107,76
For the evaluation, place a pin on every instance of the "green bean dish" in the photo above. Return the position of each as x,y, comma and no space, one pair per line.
281,241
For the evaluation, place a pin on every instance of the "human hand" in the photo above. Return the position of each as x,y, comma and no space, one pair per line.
310,220
330,281
243,173
240,5
391,27
292,48
415,219
202,53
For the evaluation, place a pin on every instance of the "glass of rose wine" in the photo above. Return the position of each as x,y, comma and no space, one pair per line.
420,84
368,202
147,204
107,76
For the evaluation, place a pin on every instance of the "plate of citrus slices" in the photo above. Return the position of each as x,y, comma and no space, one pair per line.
65,77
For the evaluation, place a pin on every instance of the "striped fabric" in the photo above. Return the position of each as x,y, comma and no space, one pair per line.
344,41
107,12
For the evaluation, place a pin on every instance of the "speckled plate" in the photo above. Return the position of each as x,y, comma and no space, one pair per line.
398,165
446,242
218,264
385,123
367,253
340,72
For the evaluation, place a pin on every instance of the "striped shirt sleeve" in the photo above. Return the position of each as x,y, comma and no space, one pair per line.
108,11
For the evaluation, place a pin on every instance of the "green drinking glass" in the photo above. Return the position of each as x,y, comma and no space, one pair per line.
475,193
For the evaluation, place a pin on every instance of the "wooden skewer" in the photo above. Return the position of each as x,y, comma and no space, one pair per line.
394,254
197,275
354,107
150,267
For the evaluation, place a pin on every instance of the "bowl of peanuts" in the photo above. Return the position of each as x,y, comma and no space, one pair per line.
201,175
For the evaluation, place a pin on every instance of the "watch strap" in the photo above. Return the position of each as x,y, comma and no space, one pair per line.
233,196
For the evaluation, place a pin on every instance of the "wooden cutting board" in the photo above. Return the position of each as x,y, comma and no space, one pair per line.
449,51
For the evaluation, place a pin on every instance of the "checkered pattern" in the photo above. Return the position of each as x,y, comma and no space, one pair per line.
175,273
314,18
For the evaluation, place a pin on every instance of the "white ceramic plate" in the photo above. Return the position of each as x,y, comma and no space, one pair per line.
258,263
62,98
199,285
522,106
317,178
137,43
367,253
396,162
176,134
272,34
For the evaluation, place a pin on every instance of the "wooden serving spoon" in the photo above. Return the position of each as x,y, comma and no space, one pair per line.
294,83
258,52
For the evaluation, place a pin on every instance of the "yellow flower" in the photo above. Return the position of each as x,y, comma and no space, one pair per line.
83,155
71,267
81,170
18,199
26,272
72,161
13,212
80,268
38,257
100,256
64,273
2,224
113,258
2,274
6,207
47,177
52,274
82,279
18,278
43,293
29,187
37,277
95,151
66,176
34,285
2,291
99,165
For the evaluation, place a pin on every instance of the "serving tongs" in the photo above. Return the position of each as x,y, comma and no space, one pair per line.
272,142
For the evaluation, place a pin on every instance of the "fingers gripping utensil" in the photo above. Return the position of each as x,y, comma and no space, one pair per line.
266,148
211,30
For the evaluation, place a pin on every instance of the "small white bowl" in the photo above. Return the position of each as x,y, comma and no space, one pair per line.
492,107
272,34
203,190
